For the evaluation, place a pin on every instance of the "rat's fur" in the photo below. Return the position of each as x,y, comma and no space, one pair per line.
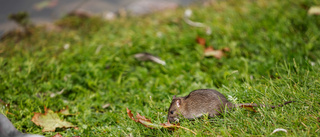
202,101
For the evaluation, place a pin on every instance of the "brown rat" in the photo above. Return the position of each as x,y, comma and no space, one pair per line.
202,101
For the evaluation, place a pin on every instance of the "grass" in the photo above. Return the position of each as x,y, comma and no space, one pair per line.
274,57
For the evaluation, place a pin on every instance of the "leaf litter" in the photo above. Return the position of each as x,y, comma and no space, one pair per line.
314,10
105,106
57,135
248,107
50,120
201,41
210,51
147,123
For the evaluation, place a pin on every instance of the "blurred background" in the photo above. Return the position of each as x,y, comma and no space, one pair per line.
44,11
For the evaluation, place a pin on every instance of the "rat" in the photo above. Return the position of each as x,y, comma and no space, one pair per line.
203,101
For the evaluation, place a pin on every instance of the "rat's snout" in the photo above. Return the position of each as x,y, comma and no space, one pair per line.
170,119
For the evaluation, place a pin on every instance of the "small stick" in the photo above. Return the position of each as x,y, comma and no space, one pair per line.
183,128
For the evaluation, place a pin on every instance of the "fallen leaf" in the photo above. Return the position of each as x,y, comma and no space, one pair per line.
147,123
248,107
141,119
105,106
226,49
279,129
209,51
149,57
314,10
50,120
57,135
201,41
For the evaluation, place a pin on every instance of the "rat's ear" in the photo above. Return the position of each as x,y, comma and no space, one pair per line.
178,103
174,97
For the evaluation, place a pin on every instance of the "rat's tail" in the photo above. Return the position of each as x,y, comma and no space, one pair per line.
260,105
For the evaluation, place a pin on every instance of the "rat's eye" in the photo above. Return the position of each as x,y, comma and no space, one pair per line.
171,112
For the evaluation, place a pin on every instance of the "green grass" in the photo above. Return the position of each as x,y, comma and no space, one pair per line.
274,57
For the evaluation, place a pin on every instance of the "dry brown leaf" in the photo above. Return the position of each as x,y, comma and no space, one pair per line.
105,106
201,41
314,10
50,120
57,135
248,107
210,52
147,123
226,49
140,119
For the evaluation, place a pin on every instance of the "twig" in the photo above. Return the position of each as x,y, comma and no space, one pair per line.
183,128
187,15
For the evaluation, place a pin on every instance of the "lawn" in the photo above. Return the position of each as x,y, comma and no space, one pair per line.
274,57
